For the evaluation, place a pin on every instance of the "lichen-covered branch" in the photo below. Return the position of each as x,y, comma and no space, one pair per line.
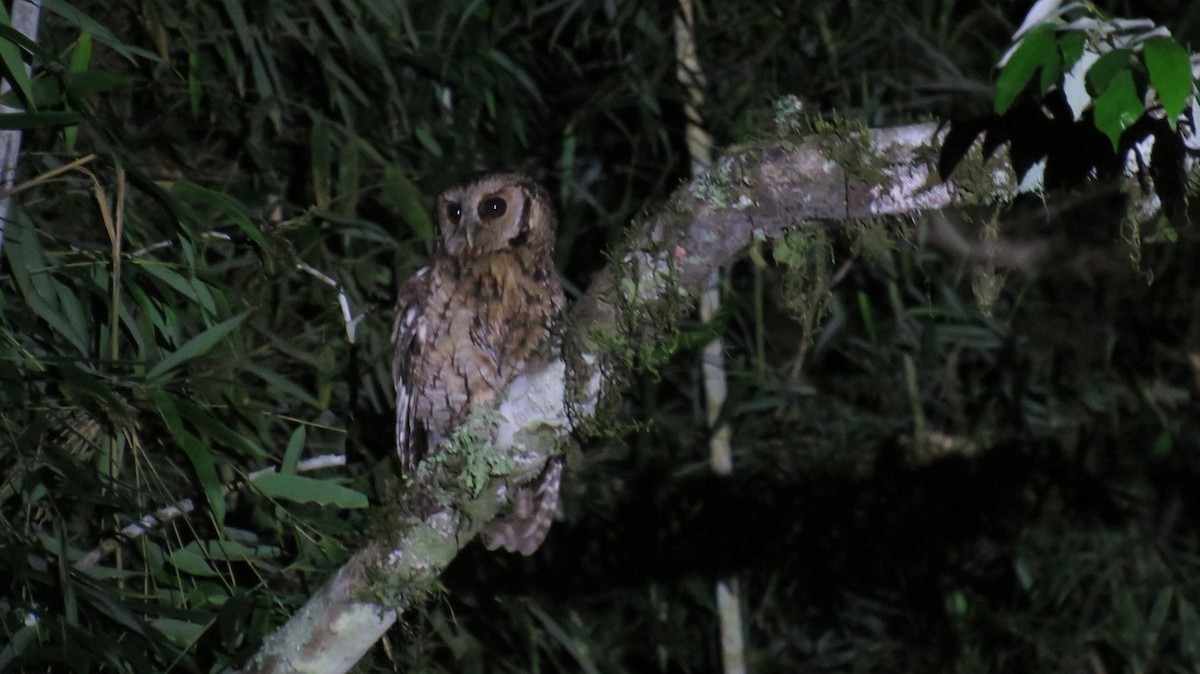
757,191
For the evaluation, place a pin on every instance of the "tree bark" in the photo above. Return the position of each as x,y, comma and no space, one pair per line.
755,191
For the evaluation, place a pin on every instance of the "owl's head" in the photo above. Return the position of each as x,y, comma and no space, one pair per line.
495,212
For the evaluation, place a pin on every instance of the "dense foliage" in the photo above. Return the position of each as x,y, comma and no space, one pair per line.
938,466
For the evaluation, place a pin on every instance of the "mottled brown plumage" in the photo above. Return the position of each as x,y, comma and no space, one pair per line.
469,322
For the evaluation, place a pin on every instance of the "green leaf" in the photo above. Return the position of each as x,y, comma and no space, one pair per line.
400,196
80,85
320,149
198,454
309,490
226,550
1118,107
89,25
1038,50
40,290
10,54
30,120
295,448
179,632
349,177
223,203
196,346
81,58
188,560
1070,46
281,385
1100,76
195,84
427,141
219,430
1170,70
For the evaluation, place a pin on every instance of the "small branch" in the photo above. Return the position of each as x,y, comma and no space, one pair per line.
184,506
348,316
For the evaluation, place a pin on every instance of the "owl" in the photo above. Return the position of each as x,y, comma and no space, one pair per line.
470,321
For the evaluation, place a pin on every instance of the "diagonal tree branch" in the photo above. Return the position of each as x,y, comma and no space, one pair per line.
757,191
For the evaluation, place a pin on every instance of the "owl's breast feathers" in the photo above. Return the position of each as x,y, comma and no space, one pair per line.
464,328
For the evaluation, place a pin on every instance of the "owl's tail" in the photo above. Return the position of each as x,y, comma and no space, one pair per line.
525,527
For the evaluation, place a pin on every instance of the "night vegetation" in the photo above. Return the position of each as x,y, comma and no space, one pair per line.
941,463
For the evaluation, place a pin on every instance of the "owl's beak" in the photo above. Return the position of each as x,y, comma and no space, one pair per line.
469,231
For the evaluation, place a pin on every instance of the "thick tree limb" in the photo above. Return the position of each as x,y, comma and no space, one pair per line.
754,191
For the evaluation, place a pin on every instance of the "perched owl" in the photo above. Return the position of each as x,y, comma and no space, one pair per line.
469,322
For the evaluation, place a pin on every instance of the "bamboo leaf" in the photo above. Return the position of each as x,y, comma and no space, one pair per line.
198,454
309,490
195,347
10,54
89,25
30,120
295,448
223,203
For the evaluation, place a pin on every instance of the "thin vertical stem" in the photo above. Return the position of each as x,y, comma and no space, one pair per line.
25,16
700,148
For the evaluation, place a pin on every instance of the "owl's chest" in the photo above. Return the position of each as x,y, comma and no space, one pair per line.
477,330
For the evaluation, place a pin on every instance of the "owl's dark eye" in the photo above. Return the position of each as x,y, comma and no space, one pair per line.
491,208
453,211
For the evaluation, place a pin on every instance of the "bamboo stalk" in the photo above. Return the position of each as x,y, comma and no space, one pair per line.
700,147
25,16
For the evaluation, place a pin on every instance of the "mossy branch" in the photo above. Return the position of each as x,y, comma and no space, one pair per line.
756,191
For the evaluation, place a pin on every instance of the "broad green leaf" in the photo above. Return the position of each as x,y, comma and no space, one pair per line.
171,278
179,632
30,120
196,346
1189,630
1118,107
320,149
91,82
282,385
219,430
309,490
20,641
40,290
81,57
198,454
89,25
204,295
227,550
349,177
295,448
1037,51
1170,70
399,195
427,141
195,84
188,560
1070,47
223,203
10,54
39,52
1102,73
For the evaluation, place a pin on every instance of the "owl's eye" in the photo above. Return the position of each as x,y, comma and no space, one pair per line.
492,208
453,211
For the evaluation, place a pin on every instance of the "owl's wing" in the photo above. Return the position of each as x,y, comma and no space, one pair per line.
406,339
